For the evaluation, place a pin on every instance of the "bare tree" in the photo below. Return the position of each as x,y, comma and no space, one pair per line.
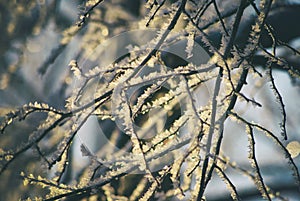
156,100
